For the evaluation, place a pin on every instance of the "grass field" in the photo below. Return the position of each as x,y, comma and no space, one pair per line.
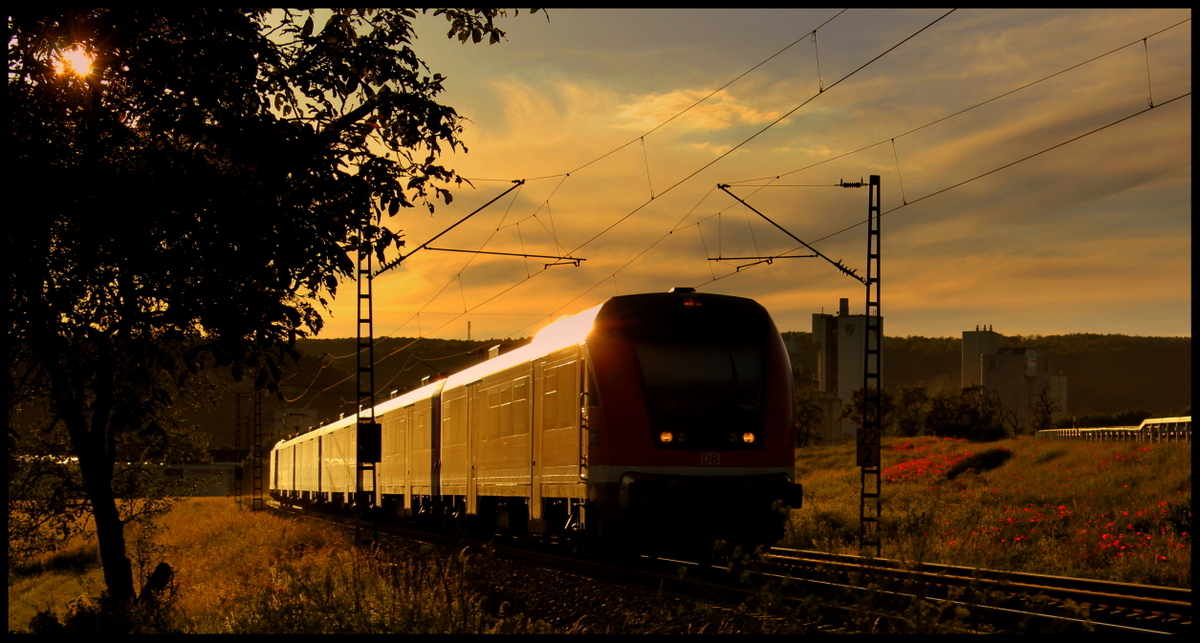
247,572
1102,510
1112,511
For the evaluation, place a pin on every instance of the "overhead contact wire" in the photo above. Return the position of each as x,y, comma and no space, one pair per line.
989,172
975,106
761,131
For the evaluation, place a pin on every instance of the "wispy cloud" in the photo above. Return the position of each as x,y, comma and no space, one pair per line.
718,111
1090,237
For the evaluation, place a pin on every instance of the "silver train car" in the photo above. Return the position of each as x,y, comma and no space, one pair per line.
649,422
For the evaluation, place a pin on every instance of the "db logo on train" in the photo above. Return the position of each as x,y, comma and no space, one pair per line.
710,458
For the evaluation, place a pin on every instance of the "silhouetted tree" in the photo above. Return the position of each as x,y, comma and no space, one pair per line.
975,414
1044,409
190,201
854,410
809,413
908,412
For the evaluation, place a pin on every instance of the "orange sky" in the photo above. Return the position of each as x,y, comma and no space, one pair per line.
1093,236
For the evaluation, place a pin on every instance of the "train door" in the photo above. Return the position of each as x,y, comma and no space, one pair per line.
537,385
321,486
587,399
472,425
406,439
561,445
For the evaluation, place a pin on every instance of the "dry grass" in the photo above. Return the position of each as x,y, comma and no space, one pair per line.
1113,511
53,580
1110,511
250,572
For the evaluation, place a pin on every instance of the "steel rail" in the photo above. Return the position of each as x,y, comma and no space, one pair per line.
1106,605
1113,604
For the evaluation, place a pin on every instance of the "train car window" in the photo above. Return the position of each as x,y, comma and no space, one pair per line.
499,420
421,430
454,422
494,418
568,396
506,411
549,399
560,403
520,406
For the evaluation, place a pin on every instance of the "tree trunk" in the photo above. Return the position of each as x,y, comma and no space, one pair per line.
110,532
89,441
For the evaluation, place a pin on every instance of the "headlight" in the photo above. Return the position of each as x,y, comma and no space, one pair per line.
665,437
748,437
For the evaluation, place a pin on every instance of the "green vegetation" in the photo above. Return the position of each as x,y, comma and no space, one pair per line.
1111,511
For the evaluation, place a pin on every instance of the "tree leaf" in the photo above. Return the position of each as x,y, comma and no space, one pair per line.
238,152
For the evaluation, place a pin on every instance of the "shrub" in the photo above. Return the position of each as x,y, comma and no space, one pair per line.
980,462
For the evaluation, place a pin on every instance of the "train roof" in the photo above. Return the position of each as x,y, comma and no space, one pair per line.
565,331
400,401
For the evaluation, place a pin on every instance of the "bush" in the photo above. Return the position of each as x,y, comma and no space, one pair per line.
980,462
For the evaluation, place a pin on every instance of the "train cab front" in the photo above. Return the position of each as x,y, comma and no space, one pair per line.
697,399
664,512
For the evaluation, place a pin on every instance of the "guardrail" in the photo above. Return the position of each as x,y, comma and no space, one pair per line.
1176,429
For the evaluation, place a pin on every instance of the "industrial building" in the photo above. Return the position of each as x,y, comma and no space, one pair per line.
1017,375
841,358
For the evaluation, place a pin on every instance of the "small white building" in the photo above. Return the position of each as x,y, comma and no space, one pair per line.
841,360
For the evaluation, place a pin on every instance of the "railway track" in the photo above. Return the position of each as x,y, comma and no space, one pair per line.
1008,599
885,590
854,593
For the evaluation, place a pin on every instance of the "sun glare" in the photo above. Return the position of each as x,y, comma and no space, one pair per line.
74,61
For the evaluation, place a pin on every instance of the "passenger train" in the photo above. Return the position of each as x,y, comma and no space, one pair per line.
650,422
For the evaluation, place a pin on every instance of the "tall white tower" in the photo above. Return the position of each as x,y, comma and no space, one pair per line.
841,356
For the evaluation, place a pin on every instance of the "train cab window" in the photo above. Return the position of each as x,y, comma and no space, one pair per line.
703,396
699,365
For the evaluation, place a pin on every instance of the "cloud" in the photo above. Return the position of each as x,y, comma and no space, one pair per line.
718,112
1091,237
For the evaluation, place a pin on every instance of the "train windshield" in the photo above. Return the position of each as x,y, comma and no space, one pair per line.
703,395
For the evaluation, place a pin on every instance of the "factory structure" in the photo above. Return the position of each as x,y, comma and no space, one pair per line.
841,358
1017,376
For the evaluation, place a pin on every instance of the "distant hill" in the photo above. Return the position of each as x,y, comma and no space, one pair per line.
323,386
1105,373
